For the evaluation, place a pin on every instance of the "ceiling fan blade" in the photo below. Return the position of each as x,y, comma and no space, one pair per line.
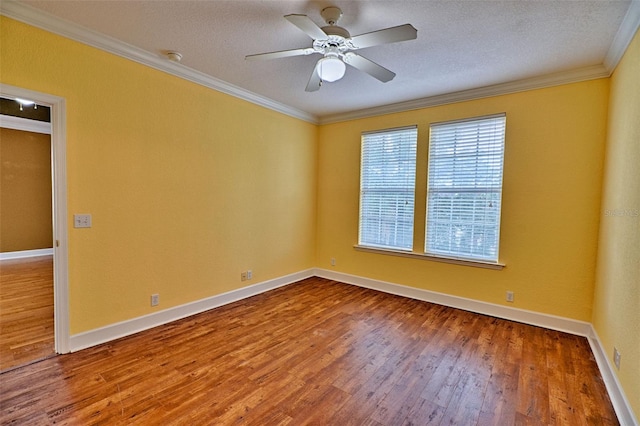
314,81
388,35
307,26
368,66
281,54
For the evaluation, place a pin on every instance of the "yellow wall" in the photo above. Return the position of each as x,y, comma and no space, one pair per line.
25,191
187,186
552,181
616,314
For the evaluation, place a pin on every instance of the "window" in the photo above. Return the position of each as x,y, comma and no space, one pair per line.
464,189
387,188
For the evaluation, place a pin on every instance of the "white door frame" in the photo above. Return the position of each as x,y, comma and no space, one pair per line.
59,204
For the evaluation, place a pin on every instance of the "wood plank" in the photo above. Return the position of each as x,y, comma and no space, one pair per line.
319,352
26,311
533,402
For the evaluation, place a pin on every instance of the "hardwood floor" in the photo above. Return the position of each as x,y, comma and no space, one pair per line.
26,311
319,352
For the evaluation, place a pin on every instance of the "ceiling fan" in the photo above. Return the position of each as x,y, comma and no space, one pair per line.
335,44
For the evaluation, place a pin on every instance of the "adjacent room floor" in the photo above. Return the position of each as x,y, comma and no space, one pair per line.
26,311
319,352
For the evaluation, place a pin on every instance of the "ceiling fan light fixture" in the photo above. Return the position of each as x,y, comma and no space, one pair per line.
335,44
25,102
331,68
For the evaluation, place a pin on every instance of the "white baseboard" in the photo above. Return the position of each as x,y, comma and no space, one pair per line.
552,322
620,403
125,328
616,394
26,253
619,400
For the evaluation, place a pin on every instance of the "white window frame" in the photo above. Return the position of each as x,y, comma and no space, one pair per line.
390,225
465,186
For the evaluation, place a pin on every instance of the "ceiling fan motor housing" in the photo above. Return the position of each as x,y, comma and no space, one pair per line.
335,44
334,30
331,15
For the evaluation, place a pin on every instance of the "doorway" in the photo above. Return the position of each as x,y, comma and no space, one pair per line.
26,234
58,254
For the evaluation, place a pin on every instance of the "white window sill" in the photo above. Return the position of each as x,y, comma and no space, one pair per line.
423,256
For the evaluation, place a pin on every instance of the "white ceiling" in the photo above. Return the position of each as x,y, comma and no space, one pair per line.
461,45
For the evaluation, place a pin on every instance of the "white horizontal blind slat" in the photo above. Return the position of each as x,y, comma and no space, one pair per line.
464,189
387,188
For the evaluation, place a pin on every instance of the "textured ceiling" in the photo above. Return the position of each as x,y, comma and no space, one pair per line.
461,45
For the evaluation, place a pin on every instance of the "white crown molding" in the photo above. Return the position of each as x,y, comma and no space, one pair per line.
24,124
625,34
37,18
556,79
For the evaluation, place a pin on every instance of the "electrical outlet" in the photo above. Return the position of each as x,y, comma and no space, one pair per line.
249,274
510,296
155,299
333,261
243,276
82,221
616,358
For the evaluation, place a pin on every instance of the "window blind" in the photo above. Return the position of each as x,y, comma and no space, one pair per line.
387,188
464,189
